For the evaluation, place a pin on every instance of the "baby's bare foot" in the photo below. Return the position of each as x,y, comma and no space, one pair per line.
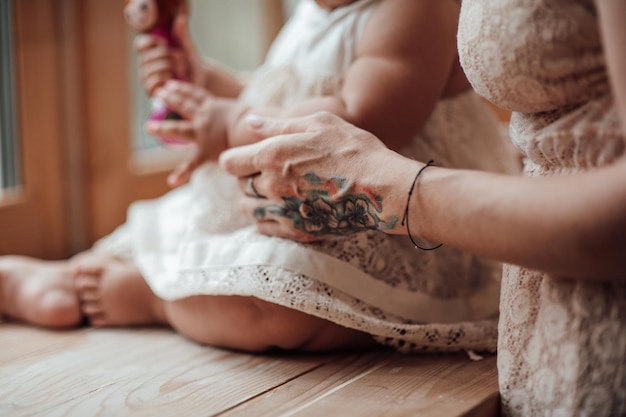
113,293
38,292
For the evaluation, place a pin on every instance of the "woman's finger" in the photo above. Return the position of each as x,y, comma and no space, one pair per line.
270,220
242,160
267,127
246,160
273,228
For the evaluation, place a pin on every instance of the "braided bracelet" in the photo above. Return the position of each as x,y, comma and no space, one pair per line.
405,218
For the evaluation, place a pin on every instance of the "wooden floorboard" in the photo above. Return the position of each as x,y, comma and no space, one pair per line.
155,372
383,385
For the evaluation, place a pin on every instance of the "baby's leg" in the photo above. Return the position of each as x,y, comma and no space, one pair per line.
251,324
113,293
38,292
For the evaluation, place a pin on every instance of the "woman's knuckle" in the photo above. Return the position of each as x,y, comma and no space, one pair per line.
269,157
326,117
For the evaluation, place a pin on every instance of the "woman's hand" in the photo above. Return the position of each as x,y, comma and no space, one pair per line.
318,176
159,62
205,123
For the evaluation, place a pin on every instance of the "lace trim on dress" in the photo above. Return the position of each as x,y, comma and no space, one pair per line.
294,290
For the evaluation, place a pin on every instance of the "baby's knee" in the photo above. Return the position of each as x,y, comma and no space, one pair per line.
285,328
279,327
242,323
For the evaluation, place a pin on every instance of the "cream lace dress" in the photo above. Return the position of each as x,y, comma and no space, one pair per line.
193,240
562,346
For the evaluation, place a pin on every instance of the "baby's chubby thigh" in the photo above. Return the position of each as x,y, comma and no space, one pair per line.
254,325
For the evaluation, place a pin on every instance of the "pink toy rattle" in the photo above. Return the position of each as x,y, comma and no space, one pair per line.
156,17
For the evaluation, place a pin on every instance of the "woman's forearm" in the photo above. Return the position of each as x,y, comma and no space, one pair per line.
568,225
573,226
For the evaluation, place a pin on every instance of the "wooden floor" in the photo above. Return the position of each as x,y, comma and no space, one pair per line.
153,372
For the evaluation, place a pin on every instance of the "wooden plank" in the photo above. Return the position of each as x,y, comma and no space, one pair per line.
309,387
147,372
21,344
385,385
113,372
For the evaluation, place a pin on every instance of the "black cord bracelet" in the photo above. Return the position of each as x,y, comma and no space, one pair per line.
405,218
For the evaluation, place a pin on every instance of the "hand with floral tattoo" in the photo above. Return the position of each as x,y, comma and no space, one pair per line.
317,214
304,178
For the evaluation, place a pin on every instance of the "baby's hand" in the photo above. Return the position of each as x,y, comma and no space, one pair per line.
160,62
205,119
157,62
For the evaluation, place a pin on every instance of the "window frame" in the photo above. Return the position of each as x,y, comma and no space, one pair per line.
31,215
78,172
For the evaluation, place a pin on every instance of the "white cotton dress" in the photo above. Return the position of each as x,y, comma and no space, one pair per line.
562,346
194,241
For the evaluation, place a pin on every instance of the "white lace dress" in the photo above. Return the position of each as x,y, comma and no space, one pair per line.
562,346
193,240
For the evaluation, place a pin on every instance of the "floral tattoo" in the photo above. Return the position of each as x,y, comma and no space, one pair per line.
319,214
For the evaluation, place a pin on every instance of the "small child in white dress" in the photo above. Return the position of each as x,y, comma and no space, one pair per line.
189,260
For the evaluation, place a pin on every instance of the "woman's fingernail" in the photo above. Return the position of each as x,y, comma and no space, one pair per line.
255,121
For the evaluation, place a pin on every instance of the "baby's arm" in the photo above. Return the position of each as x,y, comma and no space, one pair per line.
404,65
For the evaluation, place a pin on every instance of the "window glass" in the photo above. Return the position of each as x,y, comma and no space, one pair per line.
9,149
